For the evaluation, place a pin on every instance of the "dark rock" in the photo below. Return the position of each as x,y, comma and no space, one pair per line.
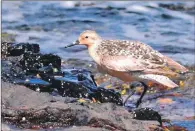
9,38
177,7
19,49
147,114
48,59
10,71
32,110
98,122
106,95
77,83
31,62
69,88
36,84
4,49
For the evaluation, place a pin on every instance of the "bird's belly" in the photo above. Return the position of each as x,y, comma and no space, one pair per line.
125,76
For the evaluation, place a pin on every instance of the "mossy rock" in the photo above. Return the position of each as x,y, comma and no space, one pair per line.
8,37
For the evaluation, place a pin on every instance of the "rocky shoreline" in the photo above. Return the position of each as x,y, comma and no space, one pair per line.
29,100
25,106
28,109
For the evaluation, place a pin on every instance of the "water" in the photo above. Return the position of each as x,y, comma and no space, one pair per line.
56,24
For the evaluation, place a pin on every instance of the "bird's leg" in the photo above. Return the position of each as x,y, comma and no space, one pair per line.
129,96
143,93
133,87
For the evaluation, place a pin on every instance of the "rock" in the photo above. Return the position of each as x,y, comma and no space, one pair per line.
4,49
43,73
27,109
8,37
177,6
21,48
147,114
6,127
42,110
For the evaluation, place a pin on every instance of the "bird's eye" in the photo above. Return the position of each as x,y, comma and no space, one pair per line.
86,36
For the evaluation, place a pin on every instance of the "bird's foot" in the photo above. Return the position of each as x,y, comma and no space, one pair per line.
138,103
133,85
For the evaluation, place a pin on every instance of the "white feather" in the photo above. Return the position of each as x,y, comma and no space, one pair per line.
159,79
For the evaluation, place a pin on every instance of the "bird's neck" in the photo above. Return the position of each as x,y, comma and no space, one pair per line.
93,53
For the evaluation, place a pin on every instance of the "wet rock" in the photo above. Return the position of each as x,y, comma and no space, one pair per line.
176,128
8,37
10,71
4,49
43,73
188,89
177,7
84,64
48,59
94,122
12,49
106,95
50,70
69,88
147,114
31,62
35,84
32,110
21,48
6,127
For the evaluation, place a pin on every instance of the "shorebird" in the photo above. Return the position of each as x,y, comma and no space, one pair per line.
130,61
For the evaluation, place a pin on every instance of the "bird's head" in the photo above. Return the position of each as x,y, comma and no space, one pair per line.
87,38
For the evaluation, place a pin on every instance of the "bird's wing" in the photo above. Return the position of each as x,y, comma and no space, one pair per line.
121,63
130,64
134,49
175,66
128,56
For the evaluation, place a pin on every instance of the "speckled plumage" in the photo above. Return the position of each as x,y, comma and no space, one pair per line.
134,49
130,60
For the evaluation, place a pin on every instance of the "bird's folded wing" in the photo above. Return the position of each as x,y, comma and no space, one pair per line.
122,63
176,66
130,64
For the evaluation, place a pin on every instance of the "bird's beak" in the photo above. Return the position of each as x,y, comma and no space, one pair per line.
73,44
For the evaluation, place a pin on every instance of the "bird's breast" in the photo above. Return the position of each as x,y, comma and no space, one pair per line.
93,53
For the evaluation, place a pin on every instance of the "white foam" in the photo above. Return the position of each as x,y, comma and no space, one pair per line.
153,4
182,15
23,36
12,17
131,31
138,8
68,4
11,4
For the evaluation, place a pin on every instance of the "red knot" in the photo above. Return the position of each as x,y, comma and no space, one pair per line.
130,60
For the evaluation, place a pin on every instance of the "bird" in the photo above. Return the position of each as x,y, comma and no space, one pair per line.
130,60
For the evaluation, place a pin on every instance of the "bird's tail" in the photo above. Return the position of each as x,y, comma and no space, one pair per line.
176,66
160,79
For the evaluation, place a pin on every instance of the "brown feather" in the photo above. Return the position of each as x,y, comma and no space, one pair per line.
162,71
176,67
